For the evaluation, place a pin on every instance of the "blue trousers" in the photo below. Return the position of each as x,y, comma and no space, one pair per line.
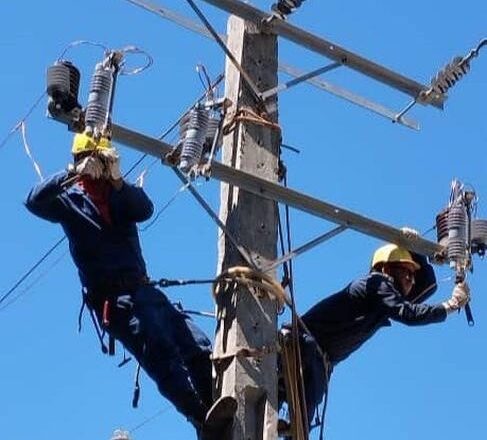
172,350
314,374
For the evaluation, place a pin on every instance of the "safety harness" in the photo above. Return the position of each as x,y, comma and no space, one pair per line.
100,301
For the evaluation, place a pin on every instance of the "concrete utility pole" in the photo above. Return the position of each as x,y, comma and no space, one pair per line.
247,319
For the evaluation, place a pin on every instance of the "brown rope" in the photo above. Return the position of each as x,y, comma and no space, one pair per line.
248,115
292,376
251,278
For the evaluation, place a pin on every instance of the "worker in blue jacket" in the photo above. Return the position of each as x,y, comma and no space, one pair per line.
99,215
340,324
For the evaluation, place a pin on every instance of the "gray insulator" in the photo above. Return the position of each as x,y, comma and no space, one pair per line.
479,231
457,233
442,227
193,136
285,7
449,75
99,97
63,80
213,124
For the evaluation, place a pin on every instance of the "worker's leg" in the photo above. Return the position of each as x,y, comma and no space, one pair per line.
196,351
315,382
142,322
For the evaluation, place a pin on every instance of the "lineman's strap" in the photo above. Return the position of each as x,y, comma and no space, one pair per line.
251,278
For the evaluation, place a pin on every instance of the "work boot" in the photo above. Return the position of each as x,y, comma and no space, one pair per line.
219,420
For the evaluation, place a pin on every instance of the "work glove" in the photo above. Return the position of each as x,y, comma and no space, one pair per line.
111,160
459,298
89,166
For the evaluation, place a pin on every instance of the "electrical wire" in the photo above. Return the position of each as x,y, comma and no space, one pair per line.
149,419
247,79
18,125
28,151
303,426
32,269
59,242
217,81
36,280
79,43
180,190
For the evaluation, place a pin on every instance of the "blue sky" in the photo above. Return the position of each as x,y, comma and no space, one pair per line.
422,383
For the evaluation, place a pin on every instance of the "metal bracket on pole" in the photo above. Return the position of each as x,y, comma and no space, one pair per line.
271,92
328,49
340,92
305,247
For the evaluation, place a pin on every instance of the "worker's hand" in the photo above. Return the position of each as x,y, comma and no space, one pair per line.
409,233
90,166
459,298
111,159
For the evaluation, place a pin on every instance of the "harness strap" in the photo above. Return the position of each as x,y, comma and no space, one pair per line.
99,332
136,396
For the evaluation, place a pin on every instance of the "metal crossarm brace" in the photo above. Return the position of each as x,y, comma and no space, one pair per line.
299,79
276,192
305,247
326,48
289,70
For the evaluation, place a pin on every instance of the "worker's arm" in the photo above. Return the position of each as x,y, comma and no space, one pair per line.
130,203
44,199
424,280
459,297
384,296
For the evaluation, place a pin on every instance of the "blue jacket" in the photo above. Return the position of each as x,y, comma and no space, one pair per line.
101,251
342,322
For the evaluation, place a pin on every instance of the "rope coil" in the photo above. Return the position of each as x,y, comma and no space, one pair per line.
250,278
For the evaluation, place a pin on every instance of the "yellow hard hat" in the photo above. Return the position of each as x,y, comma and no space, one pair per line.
392,253
83,142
